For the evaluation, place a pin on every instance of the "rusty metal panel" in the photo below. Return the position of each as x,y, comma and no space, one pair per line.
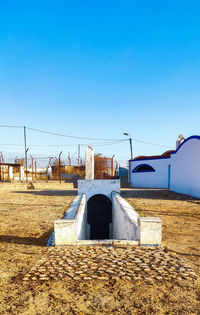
103,168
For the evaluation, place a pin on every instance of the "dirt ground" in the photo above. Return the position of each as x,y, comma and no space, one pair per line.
27,217
180,216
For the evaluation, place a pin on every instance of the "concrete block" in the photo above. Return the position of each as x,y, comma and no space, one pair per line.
65,231
150,231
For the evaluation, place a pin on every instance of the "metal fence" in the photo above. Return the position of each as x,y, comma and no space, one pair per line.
13,166
103,168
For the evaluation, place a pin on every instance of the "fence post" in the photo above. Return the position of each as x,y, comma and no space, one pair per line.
35,171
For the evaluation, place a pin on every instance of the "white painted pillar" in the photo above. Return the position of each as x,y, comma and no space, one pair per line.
11,173
21,177
89,163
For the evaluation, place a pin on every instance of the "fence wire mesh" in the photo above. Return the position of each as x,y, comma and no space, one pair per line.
15,166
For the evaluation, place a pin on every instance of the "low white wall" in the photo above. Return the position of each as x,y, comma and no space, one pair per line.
81,220
98,186
10,172
157,179
125,219
150,231
72,227
21,173
185,168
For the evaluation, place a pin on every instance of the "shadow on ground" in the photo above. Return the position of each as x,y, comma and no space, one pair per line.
41,241
169,250
163,194
48,192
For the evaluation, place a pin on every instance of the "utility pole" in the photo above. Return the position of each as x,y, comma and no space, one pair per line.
79,146
79,149
60,166
25,151
131,148
130,141
69,159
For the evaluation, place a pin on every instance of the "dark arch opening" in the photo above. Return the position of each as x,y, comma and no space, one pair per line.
143,168
99,216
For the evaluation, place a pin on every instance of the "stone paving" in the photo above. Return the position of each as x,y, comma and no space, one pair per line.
109,262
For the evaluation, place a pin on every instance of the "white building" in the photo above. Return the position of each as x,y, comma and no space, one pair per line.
177,170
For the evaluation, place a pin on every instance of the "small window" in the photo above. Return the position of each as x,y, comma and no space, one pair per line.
143,168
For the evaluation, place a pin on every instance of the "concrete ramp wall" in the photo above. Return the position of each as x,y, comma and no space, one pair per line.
72,227
125,219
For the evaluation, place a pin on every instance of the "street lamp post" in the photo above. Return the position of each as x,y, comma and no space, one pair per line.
130,141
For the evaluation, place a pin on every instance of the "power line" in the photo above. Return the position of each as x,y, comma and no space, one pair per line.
63,145
11,126
70,136
111,141
13,144
59,134
150,143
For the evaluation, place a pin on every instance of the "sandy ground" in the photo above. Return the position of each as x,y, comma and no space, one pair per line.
26,223
180,216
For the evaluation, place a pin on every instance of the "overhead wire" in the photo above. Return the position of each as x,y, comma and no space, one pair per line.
150,143
11,126
63,145
109,141
70,136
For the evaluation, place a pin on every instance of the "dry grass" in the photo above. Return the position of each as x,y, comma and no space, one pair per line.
26,223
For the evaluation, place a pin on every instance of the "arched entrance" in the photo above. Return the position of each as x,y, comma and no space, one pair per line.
99,216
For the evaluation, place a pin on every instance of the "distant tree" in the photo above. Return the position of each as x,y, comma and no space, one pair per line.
19,161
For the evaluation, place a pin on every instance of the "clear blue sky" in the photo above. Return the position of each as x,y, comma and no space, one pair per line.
98,69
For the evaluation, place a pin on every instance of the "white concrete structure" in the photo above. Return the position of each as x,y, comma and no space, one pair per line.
49,172
89,163
179,171
91,188
125,221
157,177
150,231
11,172
99,212
21,173
98,186
71,228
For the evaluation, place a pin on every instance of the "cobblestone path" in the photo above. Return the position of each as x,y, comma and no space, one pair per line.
109,262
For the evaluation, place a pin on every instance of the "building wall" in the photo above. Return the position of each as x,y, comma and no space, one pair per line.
185,168
157,179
